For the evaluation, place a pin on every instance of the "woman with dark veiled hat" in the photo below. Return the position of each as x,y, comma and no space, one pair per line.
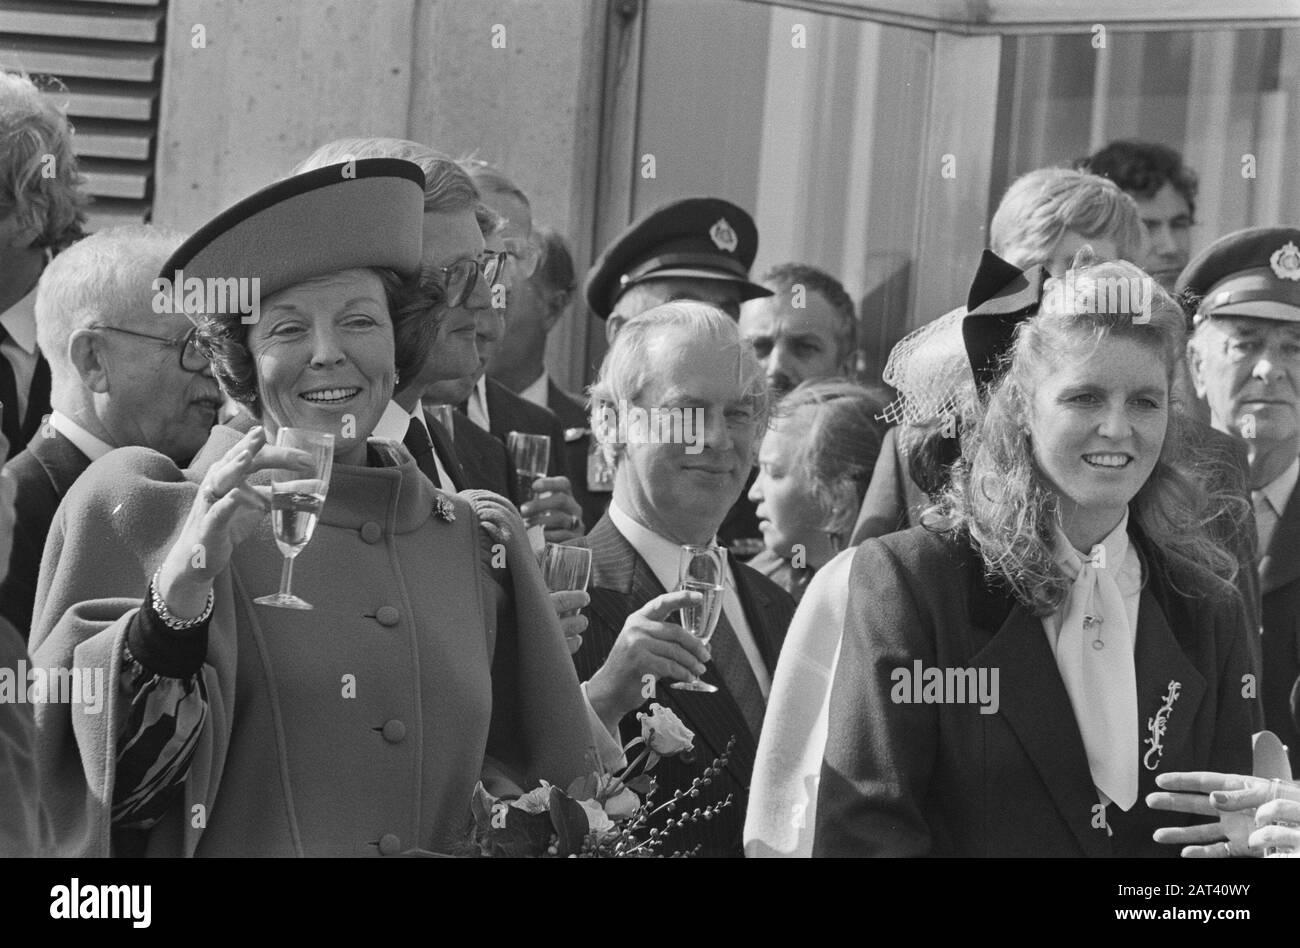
1014,674
359,727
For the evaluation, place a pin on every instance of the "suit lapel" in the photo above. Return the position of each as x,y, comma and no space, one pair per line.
1035,704
1280,564
38,399
62,460
762,614
446,451
1161,662
501,419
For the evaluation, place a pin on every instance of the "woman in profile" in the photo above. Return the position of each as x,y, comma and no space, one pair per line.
1014,675
813,470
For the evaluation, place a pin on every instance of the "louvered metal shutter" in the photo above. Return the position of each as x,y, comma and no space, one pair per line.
109,56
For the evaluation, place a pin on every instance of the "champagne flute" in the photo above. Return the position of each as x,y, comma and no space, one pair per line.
1282,790
443,414
566,567
296,502
531,454
701,569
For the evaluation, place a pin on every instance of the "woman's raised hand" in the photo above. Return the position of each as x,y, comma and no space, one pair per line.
225,512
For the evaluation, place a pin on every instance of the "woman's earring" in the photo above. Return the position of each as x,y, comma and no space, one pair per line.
397,379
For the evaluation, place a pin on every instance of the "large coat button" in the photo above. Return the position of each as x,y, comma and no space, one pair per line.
371,532
394,731
390,845
387,615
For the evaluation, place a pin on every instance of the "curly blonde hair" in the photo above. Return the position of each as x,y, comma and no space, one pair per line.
1000,496
35,140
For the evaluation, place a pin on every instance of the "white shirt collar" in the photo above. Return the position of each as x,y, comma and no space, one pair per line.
1116,543
83,440
395,420
538,393
19,321
660,553
1279,490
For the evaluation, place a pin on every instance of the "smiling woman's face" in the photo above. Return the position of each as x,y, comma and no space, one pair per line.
1098,423
324,355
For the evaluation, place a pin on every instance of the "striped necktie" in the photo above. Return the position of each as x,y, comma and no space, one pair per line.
734,670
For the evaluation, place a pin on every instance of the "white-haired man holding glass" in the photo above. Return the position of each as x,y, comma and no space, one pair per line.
674,482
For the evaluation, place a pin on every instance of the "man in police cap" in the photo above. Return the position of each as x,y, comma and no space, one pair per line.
1245,362
694,249
698,248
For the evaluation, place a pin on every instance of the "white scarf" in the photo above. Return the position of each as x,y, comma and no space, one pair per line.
1093,636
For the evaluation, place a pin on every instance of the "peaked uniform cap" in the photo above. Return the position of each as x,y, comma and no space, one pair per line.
1251,272
699,238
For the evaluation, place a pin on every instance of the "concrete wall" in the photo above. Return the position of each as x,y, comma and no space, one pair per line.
275,78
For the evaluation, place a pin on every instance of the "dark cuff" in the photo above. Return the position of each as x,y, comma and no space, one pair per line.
162,651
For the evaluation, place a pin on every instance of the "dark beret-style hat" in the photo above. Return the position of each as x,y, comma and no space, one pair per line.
1251,272
702,237
1001,297
368,212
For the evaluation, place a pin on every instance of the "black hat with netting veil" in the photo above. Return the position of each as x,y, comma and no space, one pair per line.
1001,297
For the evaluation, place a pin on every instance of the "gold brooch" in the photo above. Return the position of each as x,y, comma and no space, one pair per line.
1157,726
443,508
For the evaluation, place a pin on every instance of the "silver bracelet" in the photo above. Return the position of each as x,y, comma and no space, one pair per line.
171,621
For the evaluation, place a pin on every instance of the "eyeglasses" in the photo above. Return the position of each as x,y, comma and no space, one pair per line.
193,356
462,276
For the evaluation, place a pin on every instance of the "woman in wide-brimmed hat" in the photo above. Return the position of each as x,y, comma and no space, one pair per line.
356,728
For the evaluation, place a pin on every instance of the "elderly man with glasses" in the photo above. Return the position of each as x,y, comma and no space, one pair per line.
119,375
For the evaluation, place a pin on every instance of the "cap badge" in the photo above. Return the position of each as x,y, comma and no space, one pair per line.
1286,262
723,236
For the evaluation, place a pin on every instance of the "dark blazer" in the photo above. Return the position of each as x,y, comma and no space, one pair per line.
484,460
903,779
621,583
577,444
508,412
1279,579
43,473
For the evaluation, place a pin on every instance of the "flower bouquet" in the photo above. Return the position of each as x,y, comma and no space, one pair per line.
602,814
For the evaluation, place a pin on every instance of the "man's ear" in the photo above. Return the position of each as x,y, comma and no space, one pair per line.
612,325
86,353
557,301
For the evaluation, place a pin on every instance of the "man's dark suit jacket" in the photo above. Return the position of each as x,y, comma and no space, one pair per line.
472,457
1279,579
943,779
621,583
576,446
508,412
43,472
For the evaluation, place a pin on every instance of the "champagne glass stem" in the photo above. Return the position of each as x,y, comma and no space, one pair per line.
286,576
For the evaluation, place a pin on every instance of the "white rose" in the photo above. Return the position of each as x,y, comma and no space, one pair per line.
622,805
664,732
535,801
598,820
